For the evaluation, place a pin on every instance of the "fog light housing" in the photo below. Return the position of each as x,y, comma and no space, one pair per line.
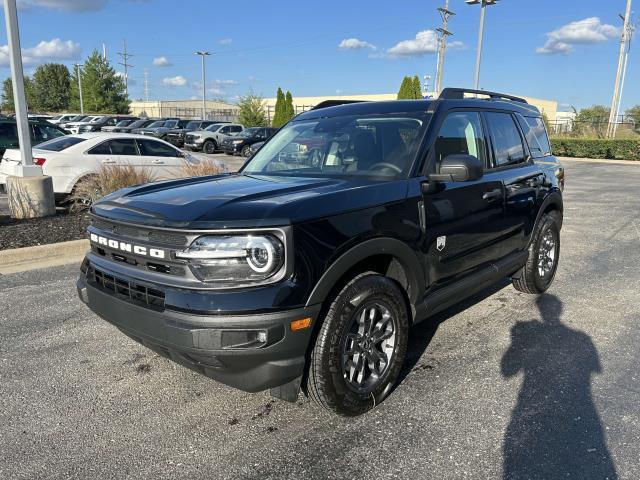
243,338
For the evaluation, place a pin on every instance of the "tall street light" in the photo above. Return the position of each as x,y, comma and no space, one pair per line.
78,66
203,54
483,5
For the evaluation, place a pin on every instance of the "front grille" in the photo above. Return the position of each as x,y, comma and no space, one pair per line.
148,235
190,138
124,290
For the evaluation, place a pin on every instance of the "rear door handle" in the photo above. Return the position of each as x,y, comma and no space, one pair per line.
157,162
491,194
108,161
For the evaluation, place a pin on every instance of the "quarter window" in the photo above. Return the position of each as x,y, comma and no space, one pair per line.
507,142
461,133
100,149
536,135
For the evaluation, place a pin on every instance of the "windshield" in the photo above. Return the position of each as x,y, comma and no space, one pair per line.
96,119
78,118
60,143
123,123
171,123
372,145
214,127
248,132
138,123
158,123
192,126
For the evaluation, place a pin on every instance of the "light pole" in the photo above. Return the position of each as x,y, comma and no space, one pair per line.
426,84
203,54
483,6
78,65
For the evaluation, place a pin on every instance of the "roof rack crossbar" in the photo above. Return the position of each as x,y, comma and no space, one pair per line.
458,94
334,103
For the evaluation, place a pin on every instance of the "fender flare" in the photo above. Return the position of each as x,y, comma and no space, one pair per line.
376,246
554,198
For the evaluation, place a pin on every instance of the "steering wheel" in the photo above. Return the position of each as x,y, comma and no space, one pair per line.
381,165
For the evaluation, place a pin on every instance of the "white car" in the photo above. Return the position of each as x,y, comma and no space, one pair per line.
74,127
70,158
62,118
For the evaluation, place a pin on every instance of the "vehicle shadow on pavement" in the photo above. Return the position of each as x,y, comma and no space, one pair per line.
555,430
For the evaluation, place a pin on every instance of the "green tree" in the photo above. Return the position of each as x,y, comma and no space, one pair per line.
279,111
103,91
417,88
634,113
405,88
51,85
252,111
289,111
592,121
7,95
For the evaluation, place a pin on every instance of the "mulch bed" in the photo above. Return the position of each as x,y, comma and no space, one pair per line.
41,231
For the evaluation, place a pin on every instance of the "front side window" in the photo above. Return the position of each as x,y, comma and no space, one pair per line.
461,134
123,146
382,146
151,148
507,142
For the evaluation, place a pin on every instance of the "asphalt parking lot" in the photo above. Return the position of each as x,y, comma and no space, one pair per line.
505,386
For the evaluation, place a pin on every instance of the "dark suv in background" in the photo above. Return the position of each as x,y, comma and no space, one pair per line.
307,268
105,121
240,143
177,136
145,122
40,130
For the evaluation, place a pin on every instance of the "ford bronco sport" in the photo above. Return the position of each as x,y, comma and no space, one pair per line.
307,268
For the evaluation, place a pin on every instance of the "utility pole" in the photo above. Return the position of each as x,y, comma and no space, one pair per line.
125,63
445,13
483,6
146,84
29,192
78,65
104,50
204,54
426,84
625,41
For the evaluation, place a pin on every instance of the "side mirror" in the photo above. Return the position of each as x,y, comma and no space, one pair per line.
458,168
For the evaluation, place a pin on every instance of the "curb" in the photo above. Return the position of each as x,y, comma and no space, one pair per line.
598,160
24,259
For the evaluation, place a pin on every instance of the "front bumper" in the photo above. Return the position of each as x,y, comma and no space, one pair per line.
204,342
177,141
231,148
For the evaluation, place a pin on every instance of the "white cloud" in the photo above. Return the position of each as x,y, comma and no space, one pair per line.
162,62
178,81
225,82
65,5
355,44
589,30
226,41
54,49
130,81
424,43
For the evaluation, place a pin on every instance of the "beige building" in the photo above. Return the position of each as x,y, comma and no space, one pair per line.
301,104
184,109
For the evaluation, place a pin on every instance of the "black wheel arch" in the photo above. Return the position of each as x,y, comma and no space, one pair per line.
398,259
552,202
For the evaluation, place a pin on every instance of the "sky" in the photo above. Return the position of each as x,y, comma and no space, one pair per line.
563,50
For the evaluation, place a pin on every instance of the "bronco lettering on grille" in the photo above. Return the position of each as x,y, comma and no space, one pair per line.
127,247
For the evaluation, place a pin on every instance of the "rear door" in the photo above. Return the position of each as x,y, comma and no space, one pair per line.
124,151
163,160
462,219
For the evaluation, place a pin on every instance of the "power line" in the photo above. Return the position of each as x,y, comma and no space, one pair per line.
443,33
125,63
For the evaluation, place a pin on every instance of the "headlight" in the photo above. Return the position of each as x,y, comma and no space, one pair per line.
237,142
236,259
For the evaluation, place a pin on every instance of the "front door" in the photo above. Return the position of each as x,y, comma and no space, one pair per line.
463,220
164,161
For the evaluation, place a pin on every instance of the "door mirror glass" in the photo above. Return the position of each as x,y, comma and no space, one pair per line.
458,168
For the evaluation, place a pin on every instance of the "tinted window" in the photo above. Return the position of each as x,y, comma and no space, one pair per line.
152,148
45,132
101,149
536,135
461,133
61,143
507,142
8,131
123,146
225,130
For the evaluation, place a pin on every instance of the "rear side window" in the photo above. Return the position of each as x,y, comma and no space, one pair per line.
123,146
60,144
151,148
100,149
536,135
507,142
236,128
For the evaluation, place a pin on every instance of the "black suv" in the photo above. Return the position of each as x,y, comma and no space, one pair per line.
176,136
307,269
240,143
40,130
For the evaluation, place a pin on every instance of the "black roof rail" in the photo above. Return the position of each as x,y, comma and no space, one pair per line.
458,94
334,103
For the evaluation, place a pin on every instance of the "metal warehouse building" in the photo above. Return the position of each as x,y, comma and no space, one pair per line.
185,109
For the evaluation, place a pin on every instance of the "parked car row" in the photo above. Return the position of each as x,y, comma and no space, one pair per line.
40,131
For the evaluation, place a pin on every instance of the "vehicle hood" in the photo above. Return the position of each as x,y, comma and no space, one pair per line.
236,200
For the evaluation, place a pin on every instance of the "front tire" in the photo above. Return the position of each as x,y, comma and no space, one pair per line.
246,151
209,147
361,346
544,253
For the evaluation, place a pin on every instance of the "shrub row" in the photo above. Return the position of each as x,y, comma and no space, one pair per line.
596,148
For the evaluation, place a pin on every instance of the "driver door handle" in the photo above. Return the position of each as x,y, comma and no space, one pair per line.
157,161
491,194
108,161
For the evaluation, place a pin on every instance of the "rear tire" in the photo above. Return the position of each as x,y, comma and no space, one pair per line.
209,147
361,346
544,253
